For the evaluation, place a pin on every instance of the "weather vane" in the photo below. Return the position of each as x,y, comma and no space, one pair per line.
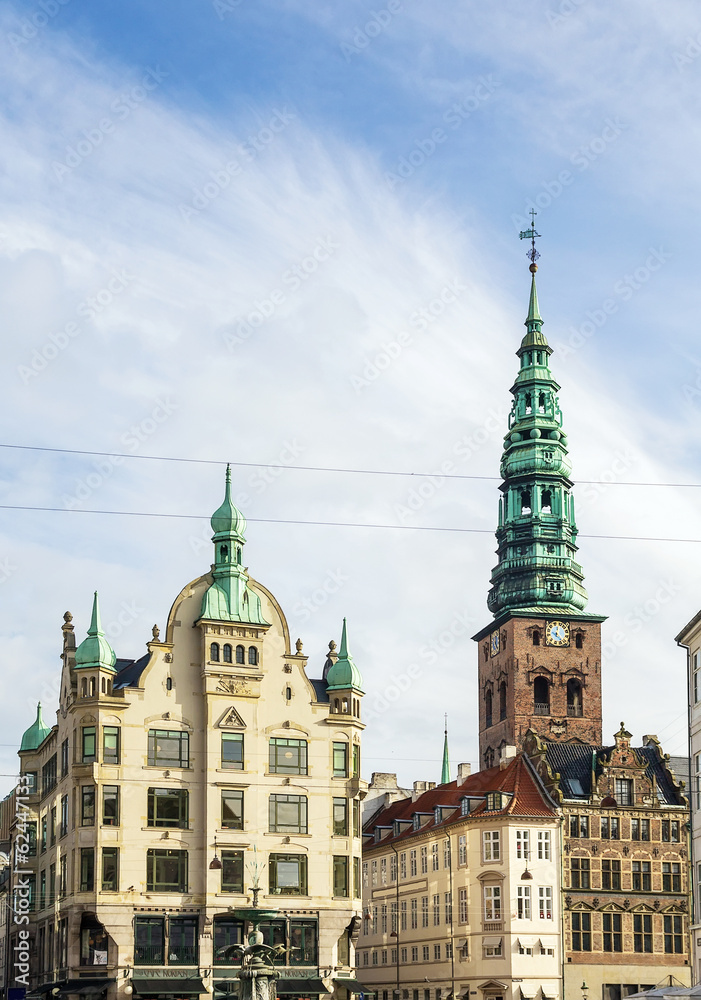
532,235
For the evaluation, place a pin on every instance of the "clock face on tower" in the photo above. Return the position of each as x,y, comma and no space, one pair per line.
557,634
494,643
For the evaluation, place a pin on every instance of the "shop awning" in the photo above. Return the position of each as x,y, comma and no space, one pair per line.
529,990
301,987
350,984
527,942
173,987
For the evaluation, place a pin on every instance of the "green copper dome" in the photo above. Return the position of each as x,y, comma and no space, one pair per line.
229,598
36,734
94,650
537,532
344,674
228,519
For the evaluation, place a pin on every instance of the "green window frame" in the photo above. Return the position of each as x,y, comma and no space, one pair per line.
110,805
168,807
166,871
287,874
356,760
340,875
232,871
357,891
87,805
88,744
87,869
228,933
232,809
340,760
149,941
168,748
110,869
111,744
287,756
183,940
287,814
303,942
232,751
356,820
340,817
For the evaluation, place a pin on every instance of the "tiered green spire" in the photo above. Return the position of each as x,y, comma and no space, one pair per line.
229,598
95,651
344,674
445,771
537,569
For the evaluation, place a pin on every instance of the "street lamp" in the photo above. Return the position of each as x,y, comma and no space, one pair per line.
585,991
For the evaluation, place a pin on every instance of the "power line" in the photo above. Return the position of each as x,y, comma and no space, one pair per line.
314,468
329,524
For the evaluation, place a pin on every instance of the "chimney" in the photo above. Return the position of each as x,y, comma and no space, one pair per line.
420,787
464,771
507,754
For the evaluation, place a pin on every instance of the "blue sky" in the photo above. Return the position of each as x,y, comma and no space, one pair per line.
219,223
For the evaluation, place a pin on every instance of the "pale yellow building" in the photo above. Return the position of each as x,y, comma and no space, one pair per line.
461,891
173,784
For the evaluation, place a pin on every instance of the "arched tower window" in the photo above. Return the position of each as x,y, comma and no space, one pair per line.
226,653
214,652
502,701
525,502
529,403
240,654
546,502
84,688
104,685
92,687
541,402
224,553
336,706
344,709
252,655
575,705
489,757
579,640
488,707
238,554
541,696
536,637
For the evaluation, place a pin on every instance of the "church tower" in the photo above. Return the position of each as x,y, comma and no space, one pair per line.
540,655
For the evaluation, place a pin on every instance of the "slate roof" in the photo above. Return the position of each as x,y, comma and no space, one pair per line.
320,690
574,761
129,672
526,798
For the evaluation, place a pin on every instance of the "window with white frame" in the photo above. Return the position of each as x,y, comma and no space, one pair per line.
402,865
393,917
374,872
446,854
434,857
436,910
424,911
383,871
545,902
383,918
393,868
523,902
464,807
544,845
462,850
493,951
492,902
448,899
414,914
523,843
412,863
424,860
365,875
462,906
402,912
490,845
696,676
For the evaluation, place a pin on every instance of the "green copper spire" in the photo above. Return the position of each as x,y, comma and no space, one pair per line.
445,771
229,598
537,568
95,651
344,674
36,734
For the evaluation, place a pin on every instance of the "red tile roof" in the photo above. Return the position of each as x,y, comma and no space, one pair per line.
526,798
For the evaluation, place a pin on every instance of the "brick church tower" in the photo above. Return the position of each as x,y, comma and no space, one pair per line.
540,655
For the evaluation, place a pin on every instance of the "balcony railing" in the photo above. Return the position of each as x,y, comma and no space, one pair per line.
148,954
541,708
574,711
182,954
492,925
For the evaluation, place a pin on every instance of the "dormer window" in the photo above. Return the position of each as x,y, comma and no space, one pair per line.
464,807
416,821
437,814
494,801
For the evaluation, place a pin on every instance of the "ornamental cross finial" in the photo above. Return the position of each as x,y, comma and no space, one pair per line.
532,235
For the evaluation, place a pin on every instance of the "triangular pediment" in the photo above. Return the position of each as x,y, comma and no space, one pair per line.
231,720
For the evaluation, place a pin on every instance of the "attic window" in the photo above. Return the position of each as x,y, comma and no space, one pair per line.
464,807
494,800
416,820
